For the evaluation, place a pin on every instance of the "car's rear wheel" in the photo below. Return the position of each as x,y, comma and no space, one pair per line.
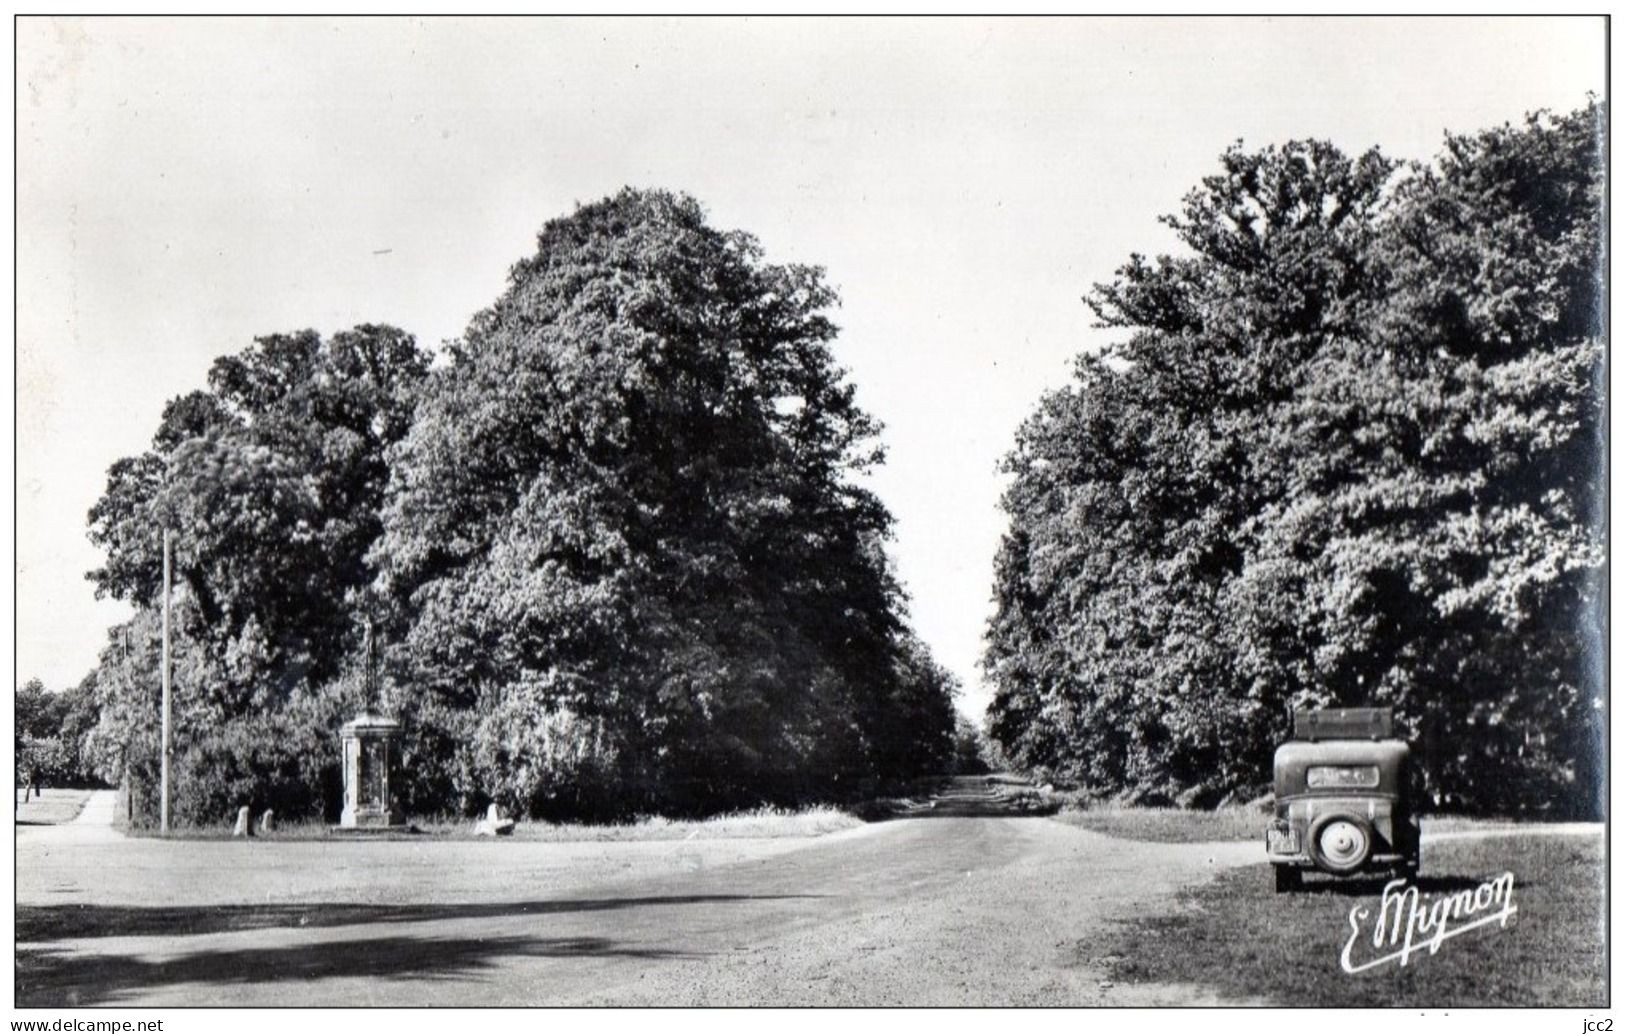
1287,879
1341,844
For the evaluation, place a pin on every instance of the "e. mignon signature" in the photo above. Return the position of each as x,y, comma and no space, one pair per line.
1407,923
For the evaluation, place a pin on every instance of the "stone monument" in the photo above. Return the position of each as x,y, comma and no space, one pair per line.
369,756
370,752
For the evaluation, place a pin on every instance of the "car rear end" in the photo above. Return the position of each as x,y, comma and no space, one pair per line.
1341,801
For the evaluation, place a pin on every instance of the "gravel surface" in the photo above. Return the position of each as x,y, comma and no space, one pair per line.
954,911
89,863
924,911
963,905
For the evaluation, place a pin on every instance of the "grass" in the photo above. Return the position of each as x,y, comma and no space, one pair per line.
1239,938
1168,825
1182,826
52,807
760,822
295,829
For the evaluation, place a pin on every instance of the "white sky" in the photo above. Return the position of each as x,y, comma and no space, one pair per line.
185,185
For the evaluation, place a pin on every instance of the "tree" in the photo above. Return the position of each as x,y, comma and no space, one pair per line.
1489,343
971,754
37,713
1347,454
632,562
37,718
272,481
50,733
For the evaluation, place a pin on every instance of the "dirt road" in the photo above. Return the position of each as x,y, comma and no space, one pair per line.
943,910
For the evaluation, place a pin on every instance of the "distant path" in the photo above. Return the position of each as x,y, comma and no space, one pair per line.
93,824
49,806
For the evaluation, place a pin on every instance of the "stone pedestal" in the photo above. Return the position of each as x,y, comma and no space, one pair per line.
370,748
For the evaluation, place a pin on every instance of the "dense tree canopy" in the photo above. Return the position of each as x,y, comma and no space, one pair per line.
634,565
619,548
271,482
52,733
1349,451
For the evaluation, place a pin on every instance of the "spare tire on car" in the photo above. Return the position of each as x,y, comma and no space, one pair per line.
1341,844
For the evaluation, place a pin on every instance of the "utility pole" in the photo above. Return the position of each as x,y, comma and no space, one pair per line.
163,760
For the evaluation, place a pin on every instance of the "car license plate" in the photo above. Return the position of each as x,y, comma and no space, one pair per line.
1281,842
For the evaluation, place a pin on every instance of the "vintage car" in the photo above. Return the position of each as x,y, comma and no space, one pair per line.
1342,798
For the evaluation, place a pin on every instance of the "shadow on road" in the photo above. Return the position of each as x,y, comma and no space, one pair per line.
40,923
50,974
47,977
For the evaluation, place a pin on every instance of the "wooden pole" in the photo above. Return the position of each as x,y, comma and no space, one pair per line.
163,761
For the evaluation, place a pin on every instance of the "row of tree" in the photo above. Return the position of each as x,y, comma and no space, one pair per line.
54,735
618,547
1348,449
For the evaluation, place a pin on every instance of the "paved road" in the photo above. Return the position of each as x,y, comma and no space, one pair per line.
964,907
